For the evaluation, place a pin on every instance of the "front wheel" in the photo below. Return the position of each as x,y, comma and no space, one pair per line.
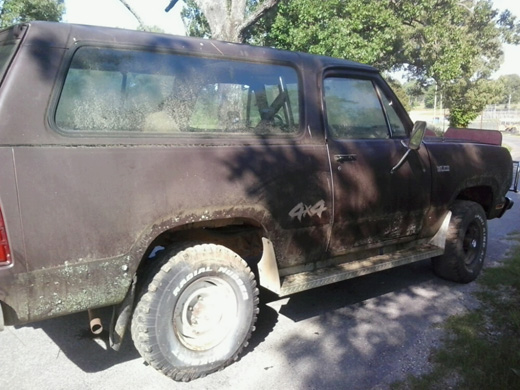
465,245
198,312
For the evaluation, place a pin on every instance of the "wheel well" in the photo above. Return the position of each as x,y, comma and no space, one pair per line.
482,195
241,236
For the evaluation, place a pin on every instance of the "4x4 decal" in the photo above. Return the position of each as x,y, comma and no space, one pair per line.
301,210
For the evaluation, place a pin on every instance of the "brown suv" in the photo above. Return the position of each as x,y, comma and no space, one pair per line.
169,177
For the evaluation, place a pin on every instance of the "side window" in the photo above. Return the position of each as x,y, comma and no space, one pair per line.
396,125
353,109
6,53
109,90
90,100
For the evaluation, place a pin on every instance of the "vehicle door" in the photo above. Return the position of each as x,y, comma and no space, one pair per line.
367,131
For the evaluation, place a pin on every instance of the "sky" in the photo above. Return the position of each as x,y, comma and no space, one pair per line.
112,13
511,64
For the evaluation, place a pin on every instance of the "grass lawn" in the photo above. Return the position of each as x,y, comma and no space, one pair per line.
481,349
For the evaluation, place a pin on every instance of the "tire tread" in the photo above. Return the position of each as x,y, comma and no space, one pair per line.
448,266
142,321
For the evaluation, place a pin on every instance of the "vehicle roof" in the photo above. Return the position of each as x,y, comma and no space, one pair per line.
66,35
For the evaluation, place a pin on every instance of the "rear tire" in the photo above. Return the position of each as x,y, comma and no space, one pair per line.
197,313
466,244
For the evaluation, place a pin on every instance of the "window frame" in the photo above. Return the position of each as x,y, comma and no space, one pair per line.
137,135
392,102
11,36
380,87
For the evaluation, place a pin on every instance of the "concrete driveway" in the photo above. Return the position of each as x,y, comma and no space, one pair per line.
363,333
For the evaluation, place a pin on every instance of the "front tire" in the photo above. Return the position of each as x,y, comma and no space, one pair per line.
466,244
198,312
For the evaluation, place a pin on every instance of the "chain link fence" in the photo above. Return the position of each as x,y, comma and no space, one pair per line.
498,119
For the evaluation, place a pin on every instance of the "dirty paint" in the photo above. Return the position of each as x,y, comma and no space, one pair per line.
68,289
103,200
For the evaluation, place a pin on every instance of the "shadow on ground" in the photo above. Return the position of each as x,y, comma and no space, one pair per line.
92,354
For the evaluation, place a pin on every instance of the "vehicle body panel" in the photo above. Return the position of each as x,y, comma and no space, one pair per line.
373,205
83,211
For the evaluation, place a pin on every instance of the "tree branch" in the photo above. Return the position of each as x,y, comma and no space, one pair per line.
265,7
136,15
171,5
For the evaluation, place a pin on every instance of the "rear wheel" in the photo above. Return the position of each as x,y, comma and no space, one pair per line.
198,312
465,245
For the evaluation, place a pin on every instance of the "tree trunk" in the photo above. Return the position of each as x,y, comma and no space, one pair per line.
228,21
223,20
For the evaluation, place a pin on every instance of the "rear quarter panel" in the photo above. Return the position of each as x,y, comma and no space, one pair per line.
457,166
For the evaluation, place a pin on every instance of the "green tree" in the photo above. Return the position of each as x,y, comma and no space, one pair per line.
360,30
415,92
448,43
457,45
511,88
429,96
400,92
509,27
437,39
17,11
467,99
195,21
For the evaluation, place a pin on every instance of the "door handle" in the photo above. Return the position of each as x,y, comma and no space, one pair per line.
340,158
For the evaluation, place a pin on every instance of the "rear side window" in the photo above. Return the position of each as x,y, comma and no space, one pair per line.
114,91
6,53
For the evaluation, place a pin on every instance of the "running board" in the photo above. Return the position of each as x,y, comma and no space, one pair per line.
306,280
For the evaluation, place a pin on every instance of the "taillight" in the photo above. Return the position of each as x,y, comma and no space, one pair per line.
5,251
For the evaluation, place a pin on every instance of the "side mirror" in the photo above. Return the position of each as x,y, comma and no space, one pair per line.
419,129
418,132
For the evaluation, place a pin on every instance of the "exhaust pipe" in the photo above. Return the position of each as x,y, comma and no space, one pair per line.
96,327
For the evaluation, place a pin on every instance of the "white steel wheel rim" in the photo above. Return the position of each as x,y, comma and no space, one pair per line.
205,314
